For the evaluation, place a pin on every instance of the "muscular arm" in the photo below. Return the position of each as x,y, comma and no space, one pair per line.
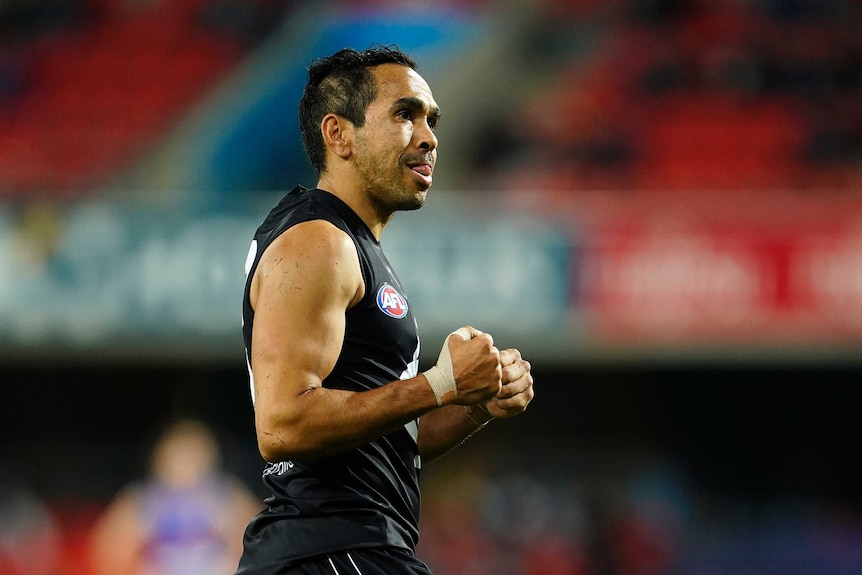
304,284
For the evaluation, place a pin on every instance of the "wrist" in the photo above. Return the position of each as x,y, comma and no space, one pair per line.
442,383
484,409
478,414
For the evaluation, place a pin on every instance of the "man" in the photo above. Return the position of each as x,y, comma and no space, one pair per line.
184,517
341,413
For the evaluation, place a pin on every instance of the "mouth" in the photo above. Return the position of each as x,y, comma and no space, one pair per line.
422,170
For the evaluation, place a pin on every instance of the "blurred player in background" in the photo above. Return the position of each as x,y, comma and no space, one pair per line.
184,518
343,416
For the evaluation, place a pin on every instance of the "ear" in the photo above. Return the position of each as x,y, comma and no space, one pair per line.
337,135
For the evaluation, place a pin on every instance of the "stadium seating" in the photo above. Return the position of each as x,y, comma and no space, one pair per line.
98,90
694,96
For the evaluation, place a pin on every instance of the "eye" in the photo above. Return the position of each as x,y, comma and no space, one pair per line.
405,115
432,122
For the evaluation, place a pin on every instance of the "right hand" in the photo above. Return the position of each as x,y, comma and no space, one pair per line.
476,366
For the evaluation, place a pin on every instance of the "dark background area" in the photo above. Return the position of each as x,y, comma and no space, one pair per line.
81,431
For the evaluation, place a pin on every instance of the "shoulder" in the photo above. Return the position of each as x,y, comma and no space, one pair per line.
313,255
317,238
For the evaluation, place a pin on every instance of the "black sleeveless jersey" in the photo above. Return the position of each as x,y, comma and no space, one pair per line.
367,497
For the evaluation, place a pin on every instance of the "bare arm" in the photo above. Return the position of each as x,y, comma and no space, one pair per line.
305,282
118,536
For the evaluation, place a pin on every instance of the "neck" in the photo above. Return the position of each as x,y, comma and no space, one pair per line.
358,201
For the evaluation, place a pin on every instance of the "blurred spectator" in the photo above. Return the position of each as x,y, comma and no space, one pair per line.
29,538
185,518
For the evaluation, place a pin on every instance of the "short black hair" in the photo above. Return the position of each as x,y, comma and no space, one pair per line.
341,84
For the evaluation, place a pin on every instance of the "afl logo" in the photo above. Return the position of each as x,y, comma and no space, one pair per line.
391,302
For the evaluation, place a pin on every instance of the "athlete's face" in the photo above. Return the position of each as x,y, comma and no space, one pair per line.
396,149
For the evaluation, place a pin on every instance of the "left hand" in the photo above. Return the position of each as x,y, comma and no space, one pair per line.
517,390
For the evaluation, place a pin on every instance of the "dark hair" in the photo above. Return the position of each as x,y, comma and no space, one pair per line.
341,84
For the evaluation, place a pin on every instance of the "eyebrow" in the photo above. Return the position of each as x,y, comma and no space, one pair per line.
416,104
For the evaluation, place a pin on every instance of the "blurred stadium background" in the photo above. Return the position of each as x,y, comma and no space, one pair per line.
658,201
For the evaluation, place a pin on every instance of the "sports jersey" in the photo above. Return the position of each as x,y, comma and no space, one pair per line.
368,496
182,529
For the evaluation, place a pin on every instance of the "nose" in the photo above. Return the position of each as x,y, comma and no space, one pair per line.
427,137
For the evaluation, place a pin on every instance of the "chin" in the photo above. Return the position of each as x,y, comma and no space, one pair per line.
413,202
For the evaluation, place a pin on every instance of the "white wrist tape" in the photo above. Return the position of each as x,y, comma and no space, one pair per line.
441,378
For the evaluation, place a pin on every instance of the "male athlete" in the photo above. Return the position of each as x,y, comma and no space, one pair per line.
342,415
